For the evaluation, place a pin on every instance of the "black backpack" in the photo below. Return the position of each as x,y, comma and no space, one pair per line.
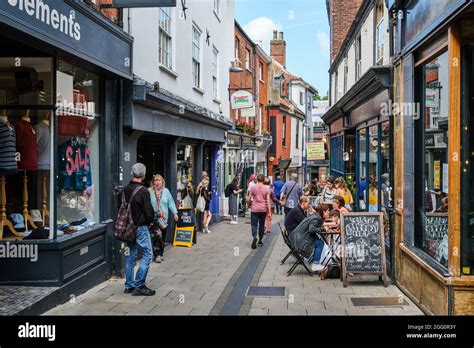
228,190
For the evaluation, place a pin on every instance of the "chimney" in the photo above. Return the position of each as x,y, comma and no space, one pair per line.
278,47
341,14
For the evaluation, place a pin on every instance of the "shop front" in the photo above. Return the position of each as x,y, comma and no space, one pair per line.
360,145
59,107
176,139
433,82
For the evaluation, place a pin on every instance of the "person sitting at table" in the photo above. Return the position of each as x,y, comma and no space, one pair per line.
298,214
335,216
338,203
306,238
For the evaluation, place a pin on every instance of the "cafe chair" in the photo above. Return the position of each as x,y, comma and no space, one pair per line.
299,259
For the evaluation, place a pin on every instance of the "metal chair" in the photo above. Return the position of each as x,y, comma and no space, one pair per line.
299,259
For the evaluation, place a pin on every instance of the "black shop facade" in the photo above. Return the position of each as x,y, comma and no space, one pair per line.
62,66
177,139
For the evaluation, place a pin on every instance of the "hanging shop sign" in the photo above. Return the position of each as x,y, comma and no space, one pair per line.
241,100
315,151
248,143
72,27
248,112
143,3
234,141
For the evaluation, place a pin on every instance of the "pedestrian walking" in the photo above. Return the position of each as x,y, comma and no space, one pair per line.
273,200
291,193
277,186
233,191
204,202
162,202
142,215
260,205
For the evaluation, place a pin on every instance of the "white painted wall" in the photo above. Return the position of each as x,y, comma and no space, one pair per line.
296,89
367,32
296,153
143,25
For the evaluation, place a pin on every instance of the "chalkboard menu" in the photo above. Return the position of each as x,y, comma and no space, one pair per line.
183,236
363,246
435,241
186,218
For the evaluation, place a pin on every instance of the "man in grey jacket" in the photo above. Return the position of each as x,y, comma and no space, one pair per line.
306,240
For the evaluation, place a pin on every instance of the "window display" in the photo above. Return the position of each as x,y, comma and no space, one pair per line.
25,151
431,161
78,148
185,159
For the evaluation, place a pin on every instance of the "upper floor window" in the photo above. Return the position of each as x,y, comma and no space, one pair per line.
237,48
215,59
346,72
297,134
217,7
380,32
165,38
283,132
247,59
196,59
260,71
301,98
336,86
358,57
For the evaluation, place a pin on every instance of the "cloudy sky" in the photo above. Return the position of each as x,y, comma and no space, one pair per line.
306,29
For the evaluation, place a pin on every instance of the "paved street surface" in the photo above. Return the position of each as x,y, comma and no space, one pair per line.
212,278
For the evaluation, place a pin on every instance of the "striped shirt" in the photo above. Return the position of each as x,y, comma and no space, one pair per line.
8,164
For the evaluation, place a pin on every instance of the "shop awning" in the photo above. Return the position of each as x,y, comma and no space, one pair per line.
284,163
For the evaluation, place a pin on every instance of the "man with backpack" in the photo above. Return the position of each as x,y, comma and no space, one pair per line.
136,215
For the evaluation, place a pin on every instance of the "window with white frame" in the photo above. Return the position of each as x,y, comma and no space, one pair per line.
165,38
346,72
358,57
301,98
215,60
297,134
237,49
217,6
247,59
380,31
260,71
196,57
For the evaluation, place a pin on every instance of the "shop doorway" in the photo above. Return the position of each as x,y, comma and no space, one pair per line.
152,154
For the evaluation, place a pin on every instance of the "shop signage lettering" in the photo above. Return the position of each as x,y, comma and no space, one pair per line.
43,12
75,161
69,26
241,100
233,141
362,241
315,151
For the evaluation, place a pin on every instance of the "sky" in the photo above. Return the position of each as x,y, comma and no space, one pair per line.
306,30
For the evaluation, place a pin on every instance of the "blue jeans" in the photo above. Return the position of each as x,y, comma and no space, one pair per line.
318,250
143,242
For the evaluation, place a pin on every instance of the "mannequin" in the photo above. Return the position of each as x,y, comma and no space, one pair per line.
26,116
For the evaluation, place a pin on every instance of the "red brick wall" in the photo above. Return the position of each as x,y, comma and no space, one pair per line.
242,79
278,48
342,15
263,94
110,13
281,152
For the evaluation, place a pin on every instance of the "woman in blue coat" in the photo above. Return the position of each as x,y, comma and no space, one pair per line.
162,203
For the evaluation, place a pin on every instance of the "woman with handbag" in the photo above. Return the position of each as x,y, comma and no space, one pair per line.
162,203
204,203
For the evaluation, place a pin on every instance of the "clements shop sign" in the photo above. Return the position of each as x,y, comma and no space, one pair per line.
65,23
241,100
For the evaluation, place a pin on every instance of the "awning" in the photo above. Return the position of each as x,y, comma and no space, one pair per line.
284,163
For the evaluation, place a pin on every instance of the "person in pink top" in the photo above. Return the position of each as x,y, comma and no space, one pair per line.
260,206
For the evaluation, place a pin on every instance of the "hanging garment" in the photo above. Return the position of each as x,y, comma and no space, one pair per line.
26,145
8,164
43,139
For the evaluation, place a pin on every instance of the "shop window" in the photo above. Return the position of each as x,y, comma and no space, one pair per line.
431,160
185,163
373,163
25,147
467,168
78,129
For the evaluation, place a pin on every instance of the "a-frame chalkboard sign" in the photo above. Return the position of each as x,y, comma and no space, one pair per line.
363,245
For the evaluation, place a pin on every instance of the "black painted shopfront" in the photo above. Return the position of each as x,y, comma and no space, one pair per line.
62,66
